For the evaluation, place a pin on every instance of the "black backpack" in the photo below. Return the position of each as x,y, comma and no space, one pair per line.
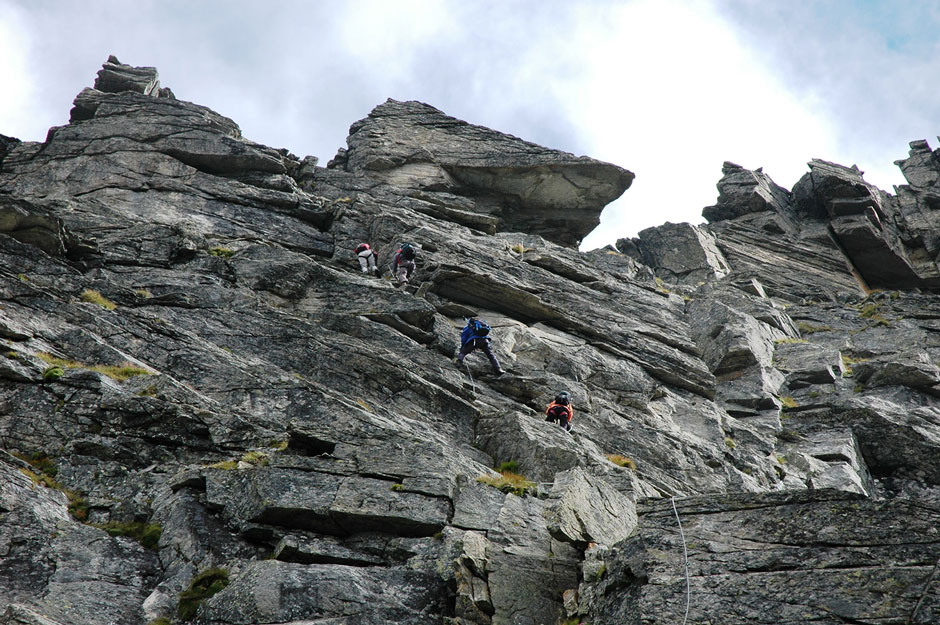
408,251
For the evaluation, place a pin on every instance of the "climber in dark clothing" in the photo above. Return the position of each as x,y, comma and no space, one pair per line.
403,264
475,335
560,411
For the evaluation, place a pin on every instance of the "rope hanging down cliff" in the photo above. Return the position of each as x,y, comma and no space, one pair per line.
685,551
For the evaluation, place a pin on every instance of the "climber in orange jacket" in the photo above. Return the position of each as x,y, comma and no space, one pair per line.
560,411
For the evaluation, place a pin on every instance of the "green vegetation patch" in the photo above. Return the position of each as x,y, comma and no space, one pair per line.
225,465
51,374
94,297
254,458
44,464
809,328
58,362
78,504
872,312
221,252
848,361
787,402
119,373
147,534
203,586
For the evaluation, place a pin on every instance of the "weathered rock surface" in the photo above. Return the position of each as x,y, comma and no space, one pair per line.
528,188
810,557
189,345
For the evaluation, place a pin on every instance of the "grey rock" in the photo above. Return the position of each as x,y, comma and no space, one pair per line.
302,425
282,592
816,568
552,193
682,253
55,569
911,369
588,510
742,191
18,614
805,364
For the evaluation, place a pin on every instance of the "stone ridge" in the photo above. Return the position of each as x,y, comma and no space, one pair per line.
196,378
527,187
884,240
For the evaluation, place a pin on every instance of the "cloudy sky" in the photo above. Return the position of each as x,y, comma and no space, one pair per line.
668,89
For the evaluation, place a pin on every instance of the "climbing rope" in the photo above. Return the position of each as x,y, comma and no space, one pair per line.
685,551
472,385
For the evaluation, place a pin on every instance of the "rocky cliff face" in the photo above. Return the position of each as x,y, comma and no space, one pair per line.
208,414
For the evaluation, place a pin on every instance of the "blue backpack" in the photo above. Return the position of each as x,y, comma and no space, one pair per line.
480,328
475,329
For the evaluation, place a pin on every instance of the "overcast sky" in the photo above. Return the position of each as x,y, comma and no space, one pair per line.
668,89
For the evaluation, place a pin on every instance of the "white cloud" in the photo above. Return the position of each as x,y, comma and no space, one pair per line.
667,88
19,96
670,92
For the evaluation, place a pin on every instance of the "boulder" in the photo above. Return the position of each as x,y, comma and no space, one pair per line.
585,510
528,187
682,253
742,191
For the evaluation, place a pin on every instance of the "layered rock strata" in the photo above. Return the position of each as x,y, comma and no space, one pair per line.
198,383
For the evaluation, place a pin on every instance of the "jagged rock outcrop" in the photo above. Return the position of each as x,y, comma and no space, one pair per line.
194,362
525,187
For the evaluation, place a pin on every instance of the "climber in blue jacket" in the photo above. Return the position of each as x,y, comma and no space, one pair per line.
476,335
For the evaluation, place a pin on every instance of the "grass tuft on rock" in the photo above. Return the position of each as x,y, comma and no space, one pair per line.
120,372
203,586
221,252
55,361
147,534
94,297
810,328
50,374
44,464
787,402
77,502
622,461
509,483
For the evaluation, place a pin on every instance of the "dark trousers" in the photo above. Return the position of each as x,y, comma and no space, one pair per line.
562,421
483,344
